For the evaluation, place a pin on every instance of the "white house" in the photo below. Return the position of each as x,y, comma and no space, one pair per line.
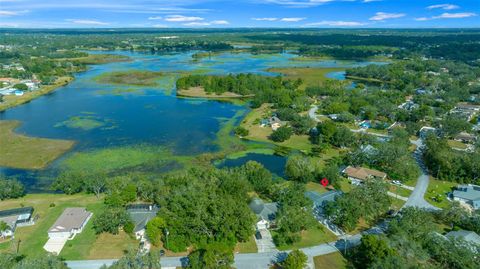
70,223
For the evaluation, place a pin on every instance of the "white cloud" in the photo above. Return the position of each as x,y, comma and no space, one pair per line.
369,1
337,23
443,6
219,22
8,13
197,24
292,19
455,15
181,18
381,16
264,19
87,22
422,19
155,18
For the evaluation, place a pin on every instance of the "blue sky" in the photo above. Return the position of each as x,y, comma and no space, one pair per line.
239,13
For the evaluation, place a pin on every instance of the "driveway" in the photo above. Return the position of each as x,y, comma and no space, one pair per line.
264,241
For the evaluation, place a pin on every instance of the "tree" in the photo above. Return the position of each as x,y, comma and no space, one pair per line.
212,256
258,176
21,86
372,248
3,226
155,229
136,260
95,183
296,259
110,220
299,168
10,188
281,134
47,261
240,131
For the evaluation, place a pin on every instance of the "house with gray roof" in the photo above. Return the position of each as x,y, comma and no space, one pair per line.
141,214
265,212
468,194
14,218
468,236
319,200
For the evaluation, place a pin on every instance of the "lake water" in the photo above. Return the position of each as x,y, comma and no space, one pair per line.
144,115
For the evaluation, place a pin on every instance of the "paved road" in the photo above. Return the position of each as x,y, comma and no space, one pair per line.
417,197
312,113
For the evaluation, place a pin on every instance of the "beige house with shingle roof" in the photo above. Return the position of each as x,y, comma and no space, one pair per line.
71,222
359,174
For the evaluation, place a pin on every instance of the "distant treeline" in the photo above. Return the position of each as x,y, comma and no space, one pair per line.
266,89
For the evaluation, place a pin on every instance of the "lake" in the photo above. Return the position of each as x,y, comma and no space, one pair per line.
99,116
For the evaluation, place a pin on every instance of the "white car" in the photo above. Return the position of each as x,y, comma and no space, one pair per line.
396,182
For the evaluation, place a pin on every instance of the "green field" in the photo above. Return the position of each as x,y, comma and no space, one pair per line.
437,192
247,247
332,260
310,76
20,151
133,77
311,237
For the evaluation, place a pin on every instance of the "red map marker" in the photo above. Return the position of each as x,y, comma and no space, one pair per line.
324,182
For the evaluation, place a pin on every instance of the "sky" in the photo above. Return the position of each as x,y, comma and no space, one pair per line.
239,13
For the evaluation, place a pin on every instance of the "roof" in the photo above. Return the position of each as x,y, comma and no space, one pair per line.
465,136
363,173
468,236
263,210
71,218
319,199
16,211
467,192
141,215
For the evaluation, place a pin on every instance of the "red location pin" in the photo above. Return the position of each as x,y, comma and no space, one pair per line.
324,182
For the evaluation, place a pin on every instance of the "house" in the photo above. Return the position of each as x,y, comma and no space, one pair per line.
14,218
320,200
468,194
265,212
465,137
70,223
408,105
359,174
365,124
426,130
468,236
141,214
275,123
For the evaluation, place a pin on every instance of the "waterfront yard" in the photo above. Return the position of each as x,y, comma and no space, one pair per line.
20,151
310,76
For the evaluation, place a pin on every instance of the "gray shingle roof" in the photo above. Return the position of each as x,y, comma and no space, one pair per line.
467,192
141,215
266,211
469,236
319,199
71,218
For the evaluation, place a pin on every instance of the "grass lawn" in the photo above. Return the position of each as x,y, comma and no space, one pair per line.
251,122
345,186
13,100
399,191
456,144
315,186
439,188
314,236
20,151
34,237
332,260
87,245
201,93
247,247
397,203
310,76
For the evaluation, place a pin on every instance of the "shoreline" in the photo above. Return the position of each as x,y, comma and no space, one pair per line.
11,101
199,92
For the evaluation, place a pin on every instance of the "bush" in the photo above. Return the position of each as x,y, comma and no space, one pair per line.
281,134
240,131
